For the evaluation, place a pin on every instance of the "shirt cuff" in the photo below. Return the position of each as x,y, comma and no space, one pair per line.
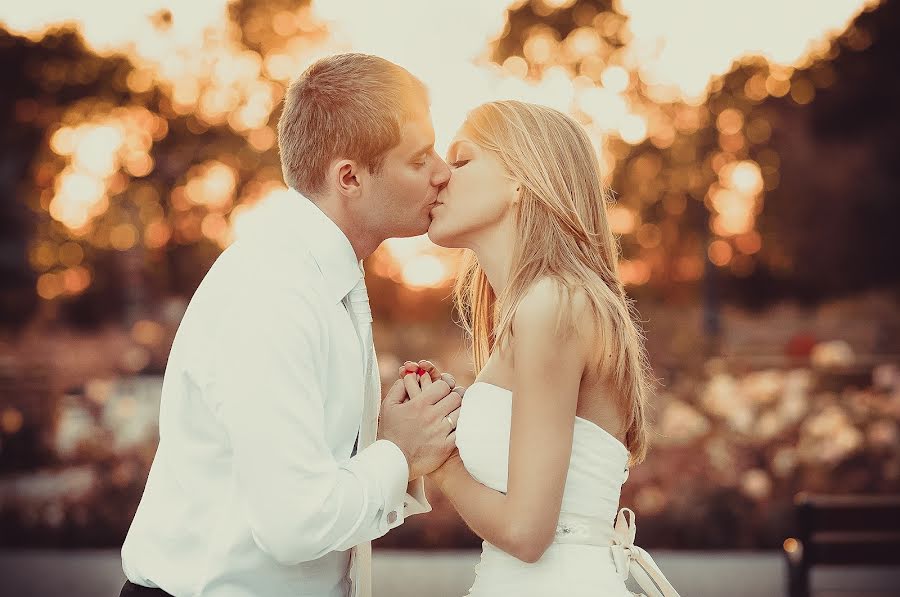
416,502
391,473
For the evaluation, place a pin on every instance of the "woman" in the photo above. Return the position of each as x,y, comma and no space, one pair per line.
547,432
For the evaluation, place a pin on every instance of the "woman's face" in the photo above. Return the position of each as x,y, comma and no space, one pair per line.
479,195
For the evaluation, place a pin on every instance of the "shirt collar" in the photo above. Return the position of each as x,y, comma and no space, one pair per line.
327,243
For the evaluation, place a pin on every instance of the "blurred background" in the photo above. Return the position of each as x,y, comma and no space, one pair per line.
751,148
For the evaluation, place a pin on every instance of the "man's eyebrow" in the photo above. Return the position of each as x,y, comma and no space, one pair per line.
424,151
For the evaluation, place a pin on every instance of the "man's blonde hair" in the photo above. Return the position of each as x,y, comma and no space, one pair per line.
563,234
346,106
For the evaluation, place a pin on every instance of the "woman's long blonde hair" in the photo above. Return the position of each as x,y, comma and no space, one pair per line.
563,234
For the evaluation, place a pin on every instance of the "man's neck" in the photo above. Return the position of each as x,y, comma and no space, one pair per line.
363,241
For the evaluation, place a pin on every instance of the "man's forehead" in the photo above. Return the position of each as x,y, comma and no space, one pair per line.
417,131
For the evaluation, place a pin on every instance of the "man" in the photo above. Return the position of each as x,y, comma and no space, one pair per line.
269,478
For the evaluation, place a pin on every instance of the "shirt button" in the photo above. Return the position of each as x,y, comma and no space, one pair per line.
392,517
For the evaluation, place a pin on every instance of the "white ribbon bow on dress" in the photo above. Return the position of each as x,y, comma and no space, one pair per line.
625,553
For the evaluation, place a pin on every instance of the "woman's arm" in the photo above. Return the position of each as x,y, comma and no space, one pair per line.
548,365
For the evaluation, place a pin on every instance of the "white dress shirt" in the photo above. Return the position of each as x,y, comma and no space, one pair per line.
253,490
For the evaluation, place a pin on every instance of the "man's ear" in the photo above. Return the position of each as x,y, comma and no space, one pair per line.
347,177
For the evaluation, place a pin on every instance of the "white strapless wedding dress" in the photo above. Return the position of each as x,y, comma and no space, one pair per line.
590,557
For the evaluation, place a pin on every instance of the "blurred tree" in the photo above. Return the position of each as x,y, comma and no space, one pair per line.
836,210
783,179
821,138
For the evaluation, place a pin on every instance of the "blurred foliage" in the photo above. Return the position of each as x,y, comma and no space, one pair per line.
743,443
119,186
784,179
823,137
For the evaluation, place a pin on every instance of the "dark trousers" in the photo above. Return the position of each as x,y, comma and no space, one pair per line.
132,590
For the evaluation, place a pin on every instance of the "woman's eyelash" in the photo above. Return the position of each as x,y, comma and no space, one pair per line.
459,163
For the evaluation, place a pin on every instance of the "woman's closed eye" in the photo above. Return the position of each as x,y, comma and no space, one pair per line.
459,163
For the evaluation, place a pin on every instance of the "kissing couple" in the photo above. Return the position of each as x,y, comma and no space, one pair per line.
279,460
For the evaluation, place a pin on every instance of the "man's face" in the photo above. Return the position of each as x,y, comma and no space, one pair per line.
401,196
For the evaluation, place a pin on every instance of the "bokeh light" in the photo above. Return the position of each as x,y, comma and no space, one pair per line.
639,73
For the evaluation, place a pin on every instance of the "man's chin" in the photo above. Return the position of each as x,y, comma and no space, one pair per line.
416,229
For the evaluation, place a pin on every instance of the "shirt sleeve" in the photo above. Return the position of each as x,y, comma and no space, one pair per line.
268,379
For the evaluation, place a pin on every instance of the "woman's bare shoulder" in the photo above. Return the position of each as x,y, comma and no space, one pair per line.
546,299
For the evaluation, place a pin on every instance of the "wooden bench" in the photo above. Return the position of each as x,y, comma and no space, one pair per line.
841,530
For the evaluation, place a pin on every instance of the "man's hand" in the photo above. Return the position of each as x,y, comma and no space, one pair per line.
421,420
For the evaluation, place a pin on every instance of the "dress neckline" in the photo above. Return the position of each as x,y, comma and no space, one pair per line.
606,433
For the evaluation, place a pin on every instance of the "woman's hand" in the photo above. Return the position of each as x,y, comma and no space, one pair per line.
423,367
423,374
453,464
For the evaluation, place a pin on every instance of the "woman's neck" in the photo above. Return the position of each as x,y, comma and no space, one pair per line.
494,250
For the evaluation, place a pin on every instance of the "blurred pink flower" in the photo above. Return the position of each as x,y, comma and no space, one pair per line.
882,434
681,423
756,484
835,354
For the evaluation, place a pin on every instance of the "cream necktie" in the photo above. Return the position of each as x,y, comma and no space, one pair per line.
357,303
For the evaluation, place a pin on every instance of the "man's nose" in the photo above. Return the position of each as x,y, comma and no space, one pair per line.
442,175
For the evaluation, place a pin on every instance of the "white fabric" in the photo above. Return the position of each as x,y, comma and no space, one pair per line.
253,490
589,557
628,558
357,303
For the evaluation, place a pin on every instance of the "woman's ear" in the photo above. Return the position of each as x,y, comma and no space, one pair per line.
518,194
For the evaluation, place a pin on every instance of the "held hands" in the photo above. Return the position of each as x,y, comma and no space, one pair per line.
426,371
419,415
420,369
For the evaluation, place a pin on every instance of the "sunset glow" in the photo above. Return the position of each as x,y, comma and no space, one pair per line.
651,87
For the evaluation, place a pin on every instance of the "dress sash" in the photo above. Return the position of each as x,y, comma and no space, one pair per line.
628,558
